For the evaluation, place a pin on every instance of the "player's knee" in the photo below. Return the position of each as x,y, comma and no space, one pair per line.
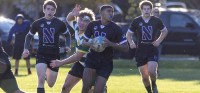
145,79
152,73
51,85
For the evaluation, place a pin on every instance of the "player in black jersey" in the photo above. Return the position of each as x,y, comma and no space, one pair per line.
150,32
8,82
99,65
78,20
48,28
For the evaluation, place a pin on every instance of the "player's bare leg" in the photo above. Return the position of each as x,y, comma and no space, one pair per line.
145,77
100,84
41,73
51,77
16,66
28,65
152,69
88,77
70,82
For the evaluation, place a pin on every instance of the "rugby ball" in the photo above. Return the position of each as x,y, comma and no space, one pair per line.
98,44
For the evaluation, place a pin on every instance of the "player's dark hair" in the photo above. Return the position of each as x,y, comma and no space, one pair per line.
49,2
87,12
103,7
145,2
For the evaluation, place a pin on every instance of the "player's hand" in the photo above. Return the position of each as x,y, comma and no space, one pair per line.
133,45
156,43
107,42
76,10
90,43
68,49
25,53
56,63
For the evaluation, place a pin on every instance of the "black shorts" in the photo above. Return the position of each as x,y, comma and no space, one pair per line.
145,53
47,60
103,67
17,53
77,70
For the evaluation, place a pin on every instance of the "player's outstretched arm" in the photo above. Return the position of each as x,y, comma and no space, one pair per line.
75,12
27,45
74,58
86,42
121,47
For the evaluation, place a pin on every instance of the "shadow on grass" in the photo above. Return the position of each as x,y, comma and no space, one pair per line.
21,75
175,70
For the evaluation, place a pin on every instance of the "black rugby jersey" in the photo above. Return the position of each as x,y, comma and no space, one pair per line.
111,31
48,31
146,32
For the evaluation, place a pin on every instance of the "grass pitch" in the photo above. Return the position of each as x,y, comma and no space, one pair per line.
176,77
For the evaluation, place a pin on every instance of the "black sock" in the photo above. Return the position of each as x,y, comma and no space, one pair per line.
148,88
153,83
40,90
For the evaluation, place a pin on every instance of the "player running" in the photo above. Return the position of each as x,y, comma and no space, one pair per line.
48,28
150,32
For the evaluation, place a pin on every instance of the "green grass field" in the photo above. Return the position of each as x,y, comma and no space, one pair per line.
176,77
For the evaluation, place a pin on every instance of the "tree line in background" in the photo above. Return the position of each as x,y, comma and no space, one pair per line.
32,9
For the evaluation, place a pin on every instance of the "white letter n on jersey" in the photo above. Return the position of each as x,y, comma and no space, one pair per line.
147,33
48,35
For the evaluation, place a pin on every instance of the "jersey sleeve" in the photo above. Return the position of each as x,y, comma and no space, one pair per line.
63,28
161,26
73,24
88,33
133,26
121,38
33,28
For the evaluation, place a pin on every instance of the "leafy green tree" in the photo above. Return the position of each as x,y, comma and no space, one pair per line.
5,8
133,11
